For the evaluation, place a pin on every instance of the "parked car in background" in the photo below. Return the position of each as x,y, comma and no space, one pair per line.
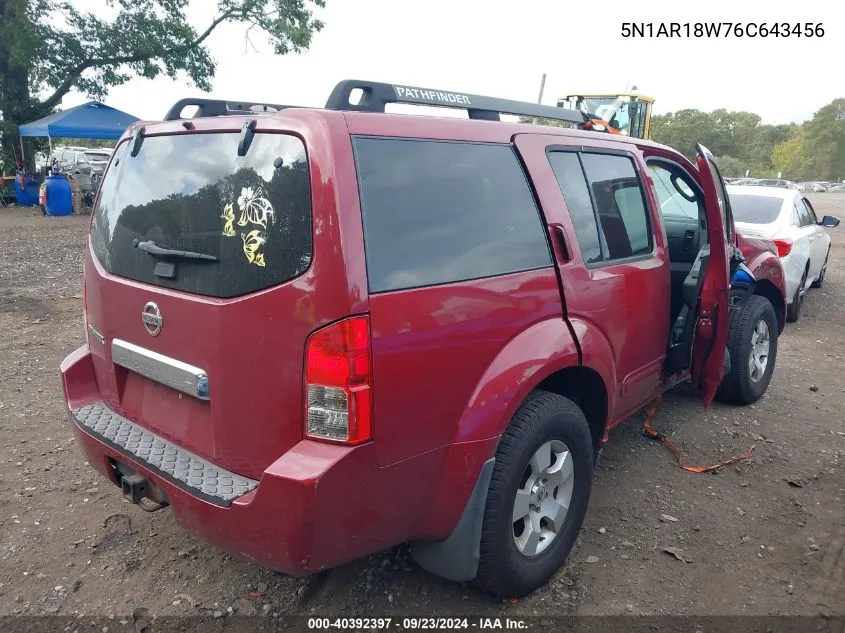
99,158
788,219
837,188
269,311
744,181
774,182
812,187
73,162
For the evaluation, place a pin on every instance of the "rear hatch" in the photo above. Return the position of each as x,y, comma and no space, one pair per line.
207,352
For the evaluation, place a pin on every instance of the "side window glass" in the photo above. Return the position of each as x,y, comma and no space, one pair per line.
803,213
573,185
620,203
440,212
796,215
673,196
629,201
811,214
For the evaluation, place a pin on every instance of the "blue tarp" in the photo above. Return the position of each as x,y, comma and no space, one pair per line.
90,120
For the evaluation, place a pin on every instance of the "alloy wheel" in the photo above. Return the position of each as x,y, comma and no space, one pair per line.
758,359
542,501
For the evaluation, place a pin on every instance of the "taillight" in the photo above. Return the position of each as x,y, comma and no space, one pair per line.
338,382
784,246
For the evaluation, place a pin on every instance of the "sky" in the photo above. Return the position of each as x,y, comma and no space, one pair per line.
502,49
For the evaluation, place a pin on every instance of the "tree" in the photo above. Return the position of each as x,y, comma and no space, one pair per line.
824,140
760,147
816,149
790,158
684,128
48,47
731,167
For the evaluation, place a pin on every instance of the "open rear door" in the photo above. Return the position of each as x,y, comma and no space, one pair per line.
711,335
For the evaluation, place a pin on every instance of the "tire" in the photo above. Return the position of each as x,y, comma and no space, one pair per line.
819,282
740,386
543,419
793,310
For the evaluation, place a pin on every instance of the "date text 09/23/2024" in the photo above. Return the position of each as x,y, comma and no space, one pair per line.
723,29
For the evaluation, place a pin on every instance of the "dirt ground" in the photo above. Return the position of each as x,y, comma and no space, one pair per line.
764,538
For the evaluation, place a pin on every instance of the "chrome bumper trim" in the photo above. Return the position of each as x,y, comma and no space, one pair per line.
160,368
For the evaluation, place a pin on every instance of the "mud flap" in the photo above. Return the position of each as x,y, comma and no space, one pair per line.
457,557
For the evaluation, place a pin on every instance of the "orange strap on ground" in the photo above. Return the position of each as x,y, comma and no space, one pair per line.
653,433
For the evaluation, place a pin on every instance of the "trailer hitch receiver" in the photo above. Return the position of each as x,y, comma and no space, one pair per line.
134,487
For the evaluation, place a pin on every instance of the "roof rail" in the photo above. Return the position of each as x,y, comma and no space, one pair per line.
217,107
375,95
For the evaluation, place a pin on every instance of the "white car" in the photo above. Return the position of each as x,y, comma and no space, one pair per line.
98,158
787,218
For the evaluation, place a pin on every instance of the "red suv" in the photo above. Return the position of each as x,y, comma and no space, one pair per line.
319,333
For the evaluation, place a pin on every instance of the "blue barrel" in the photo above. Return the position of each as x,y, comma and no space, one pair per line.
26,192
59,198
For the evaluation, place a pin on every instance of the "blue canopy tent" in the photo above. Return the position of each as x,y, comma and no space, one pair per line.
90,120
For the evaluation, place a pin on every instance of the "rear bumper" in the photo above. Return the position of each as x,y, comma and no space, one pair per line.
317,506
169,461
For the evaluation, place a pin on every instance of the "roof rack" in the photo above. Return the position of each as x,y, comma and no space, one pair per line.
217,107
375,95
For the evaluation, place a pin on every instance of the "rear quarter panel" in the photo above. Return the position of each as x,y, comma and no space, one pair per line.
763,262
433,350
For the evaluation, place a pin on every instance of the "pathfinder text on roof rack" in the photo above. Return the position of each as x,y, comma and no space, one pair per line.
433,95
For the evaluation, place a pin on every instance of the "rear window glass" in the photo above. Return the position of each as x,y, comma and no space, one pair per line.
192,192
755,209
439,212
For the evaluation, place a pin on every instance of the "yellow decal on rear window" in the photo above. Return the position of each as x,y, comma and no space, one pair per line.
229,217
254,210
252,242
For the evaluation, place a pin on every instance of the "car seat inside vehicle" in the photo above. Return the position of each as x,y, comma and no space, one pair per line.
682,211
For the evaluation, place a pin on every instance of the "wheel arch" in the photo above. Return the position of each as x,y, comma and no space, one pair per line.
586,388
547,356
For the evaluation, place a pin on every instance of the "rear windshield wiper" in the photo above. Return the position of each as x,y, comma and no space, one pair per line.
151,248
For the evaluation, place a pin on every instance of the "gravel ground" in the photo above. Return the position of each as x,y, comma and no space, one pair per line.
766,537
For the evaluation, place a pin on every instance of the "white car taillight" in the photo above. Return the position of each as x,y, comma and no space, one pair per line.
338,383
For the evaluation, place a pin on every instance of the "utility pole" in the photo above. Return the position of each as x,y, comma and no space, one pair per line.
542,87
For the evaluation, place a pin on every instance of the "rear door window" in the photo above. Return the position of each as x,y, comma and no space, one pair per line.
192,192
810,211
807,216
439,212
606,202
573,185
620,203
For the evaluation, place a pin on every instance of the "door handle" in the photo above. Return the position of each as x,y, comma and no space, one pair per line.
559,246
